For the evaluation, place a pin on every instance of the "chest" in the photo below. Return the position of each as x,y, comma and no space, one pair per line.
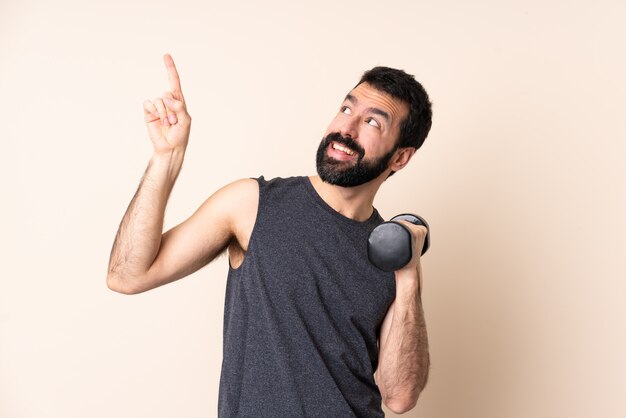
321,267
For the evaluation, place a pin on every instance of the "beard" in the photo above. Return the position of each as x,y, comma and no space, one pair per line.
347,173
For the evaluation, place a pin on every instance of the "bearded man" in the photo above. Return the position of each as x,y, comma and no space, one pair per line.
311,327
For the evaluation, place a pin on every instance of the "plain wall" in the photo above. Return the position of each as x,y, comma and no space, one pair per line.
521,180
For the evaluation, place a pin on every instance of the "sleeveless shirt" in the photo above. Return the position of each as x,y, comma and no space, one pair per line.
303,312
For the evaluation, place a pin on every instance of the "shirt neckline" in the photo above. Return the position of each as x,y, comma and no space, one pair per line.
308,186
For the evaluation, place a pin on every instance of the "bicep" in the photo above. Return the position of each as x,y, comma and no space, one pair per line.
198,240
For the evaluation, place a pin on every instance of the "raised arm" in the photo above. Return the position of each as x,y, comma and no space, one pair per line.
187,247
142,256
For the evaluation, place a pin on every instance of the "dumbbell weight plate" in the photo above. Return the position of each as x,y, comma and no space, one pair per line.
390,243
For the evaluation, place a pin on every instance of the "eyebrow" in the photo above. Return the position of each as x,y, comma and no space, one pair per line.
374,110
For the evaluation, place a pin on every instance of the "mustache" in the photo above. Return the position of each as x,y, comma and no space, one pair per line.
347,141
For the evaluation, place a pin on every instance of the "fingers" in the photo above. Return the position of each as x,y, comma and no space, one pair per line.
416,229
171,114
166,109
150,111
422,229
173,105
172,74
418,233
163,115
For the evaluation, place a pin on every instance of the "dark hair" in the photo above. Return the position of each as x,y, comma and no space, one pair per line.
403,86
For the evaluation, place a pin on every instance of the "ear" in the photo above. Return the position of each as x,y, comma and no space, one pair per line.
402,158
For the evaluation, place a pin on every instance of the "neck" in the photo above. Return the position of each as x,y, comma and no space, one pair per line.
352,202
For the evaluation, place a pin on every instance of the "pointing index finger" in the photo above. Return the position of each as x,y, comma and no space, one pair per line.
172,74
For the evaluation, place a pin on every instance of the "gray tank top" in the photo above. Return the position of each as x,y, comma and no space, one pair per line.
303,312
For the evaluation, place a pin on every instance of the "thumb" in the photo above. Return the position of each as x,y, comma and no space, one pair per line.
172,104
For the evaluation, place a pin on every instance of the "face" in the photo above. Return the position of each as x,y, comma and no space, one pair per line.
362,139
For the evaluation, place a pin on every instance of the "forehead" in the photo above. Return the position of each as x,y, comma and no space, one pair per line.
371,97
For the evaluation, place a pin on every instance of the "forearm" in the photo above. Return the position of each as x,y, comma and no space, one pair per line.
139,235
404,359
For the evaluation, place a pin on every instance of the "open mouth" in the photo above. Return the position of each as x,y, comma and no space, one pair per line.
343,149
341,152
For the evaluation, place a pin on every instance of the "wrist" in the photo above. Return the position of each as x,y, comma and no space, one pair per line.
172,159
409,279
169,155
166,165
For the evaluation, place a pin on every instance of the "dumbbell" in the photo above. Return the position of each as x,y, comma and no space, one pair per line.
389,246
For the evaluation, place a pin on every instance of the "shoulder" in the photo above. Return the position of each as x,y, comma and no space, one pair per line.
239,201
280,183
229,204
243,194
242,187
238,195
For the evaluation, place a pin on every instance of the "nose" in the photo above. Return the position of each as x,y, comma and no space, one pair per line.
349,128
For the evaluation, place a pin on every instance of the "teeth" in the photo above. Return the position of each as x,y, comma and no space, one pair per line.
344,149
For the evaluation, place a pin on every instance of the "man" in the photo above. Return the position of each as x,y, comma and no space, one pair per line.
311,328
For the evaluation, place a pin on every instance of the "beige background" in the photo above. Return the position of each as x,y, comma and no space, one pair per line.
521,180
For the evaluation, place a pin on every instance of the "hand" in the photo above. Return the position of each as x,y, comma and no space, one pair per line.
166,117
418,237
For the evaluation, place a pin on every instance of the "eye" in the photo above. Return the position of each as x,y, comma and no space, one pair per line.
373,122
345,109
